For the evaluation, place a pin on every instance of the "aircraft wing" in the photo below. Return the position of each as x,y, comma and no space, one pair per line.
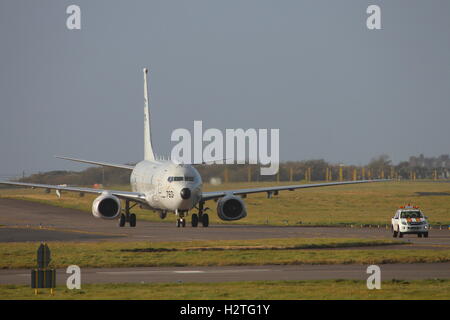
105,164
126,195
274,190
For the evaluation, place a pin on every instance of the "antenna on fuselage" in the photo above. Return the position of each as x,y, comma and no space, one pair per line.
148,149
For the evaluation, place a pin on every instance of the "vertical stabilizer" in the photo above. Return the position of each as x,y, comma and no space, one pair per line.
148,149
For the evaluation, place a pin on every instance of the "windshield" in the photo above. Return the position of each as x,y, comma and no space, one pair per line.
411,214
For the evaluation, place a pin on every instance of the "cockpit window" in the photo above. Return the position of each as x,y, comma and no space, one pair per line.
185,178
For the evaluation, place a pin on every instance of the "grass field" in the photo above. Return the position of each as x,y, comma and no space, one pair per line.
258,290
217,253
373,203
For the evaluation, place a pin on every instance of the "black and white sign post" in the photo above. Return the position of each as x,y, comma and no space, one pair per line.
42,277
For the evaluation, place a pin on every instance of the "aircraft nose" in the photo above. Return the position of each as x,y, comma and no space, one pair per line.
185,193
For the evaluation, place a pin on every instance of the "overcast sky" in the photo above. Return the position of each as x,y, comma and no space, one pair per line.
335,89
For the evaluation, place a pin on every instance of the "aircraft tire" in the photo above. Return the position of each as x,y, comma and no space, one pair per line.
122,221
194,220
132,220
205,220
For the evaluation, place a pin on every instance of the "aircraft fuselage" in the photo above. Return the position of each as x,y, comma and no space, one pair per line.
167,186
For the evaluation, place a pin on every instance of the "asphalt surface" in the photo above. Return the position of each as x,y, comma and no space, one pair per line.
243,273
30,221
35,222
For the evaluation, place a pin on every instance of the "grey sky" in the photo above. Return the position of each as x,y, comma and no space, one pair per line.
310,68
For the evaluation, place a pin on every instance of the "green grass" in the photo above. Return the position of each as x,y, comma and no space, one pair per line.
257,290
373,203
217,253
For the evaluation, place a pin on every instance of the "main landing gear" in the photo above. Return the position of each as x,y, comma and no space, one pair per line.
127,217
201,217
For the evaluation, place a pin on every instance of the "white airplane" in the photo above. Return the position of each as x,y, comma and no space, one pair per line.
164,186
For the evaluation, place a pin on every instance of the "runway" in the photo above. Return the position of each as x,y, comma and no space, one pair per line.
30,221
245,273
34,222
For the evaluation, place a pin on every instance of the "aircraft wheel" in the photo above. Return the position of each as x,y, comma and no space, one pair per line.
394,234
122,221
178,223
419,235
132,220
183,223
194,220
425,234
205,220
400,234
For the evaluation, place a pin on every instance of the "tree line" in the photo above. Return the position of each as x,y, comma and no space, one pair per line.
308,170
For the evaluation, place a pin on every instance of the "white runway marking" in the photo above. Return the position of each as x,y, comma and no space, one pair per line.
240,271
130,272
148,272
181,271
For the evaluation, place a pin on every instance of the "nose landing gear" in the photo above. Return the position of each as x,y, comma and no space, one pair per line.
196,218
181,221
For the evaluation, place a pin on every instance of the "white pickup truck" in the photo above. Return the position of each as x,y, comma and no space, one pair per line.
409,220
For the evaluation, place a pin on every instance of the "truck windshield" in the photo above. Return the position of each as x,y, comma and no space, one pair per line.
411,214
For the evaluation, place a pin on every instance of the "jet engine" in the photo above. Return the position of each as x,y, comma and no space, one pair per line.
106,206
231,208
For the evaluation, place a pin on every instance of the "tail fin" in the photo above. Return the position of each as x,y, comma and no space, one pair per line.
148,150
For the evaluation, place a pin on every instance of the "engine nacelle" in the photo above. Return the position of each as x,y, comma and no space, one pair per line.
106,206
231,208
